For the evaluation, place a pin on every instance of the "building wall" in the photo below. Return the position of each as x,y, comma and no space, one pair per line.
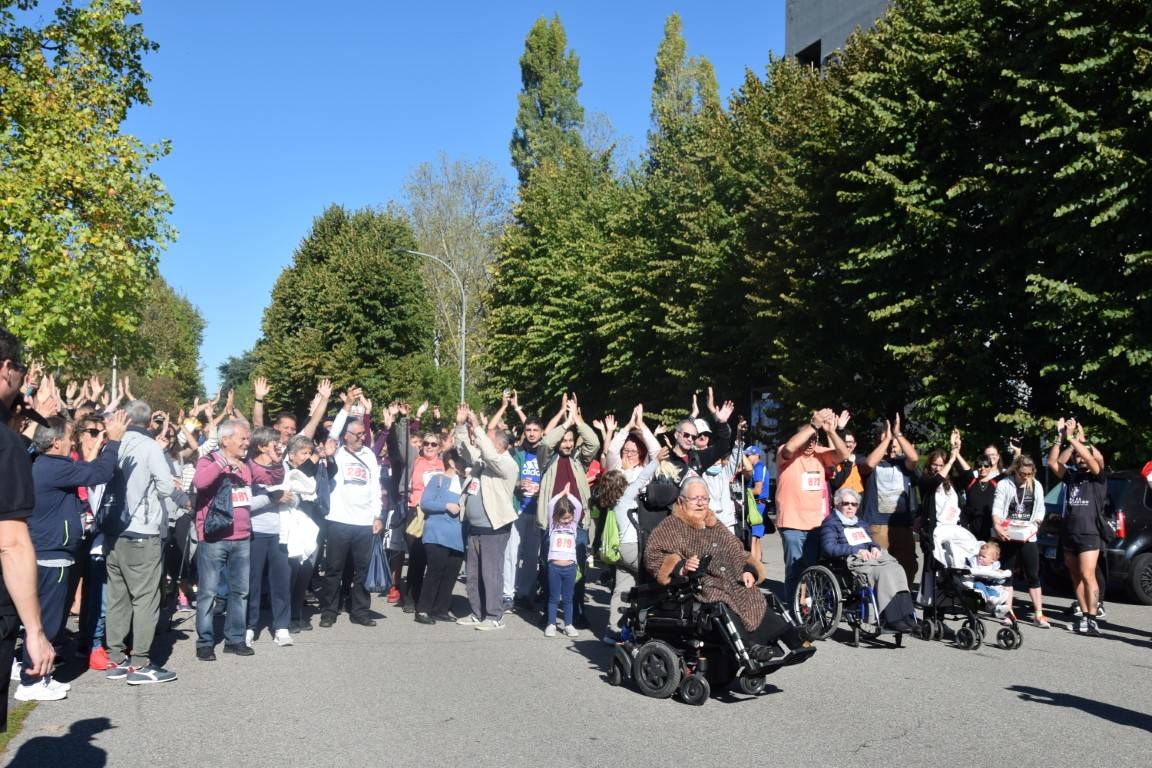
828,22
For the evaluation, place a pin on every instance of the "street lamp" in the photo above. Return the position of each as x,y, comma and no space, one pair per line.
463,307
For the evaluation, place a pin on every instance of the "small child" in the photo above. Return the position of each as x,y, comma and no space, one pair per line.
988,578
564,517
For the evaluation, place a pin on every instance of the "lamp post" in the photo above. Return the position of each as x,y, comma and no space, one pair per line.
463,307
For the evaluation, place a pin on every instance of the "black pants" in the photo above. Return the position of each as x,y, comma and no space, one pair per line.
443,568
1029,555
300,578
347,543
52,588
417,563
772,628
267,552
9,631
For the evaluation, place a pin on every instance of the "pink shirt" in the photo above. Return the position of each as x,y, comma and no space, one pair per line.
206,481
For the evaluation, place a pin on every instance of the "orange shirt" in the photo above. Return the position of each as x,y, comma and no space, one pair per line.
801,488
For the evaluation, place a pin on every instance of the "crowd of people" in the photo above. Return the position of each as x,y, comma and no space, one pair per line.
122,515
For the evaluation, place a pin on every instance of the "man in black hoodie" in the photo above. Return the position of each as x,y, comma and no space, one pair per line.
17,557
56,527
691,456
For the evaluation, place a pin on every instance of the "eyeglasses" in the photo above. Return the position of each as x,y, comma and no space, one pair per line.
356,435
629,450
94,432
849,503
431,445
697,500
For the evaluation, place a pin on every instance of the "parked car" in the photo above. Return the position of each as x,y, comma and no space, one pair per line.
1128,560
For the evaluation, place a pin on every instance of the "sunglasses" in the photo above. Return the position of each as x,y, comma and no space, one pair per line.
93,432
692,435
431,445
849,504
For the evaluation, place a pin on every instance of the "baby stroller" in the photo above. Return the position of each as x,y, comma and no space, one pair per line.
947,592
673,643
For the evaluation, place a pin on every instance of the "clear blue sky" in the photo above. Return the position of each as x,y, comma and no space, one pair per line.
276,110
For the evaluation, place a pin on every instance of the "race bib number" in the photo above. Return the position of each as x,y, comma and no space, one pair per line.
563,543
242,496
812,481
356,473
856,535
474,486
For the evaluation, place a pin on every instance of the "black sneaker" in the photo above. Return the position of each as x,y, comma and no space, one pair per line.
206,653
120,671
1091,628
444,617
327,621
305,626
239,649
423,618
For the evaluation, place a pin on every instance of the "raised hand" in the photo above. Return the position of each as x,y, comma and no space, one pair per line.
1070,427
887,431
127,385
663,453
842,419
514,401
638,416
1060,425
711,402
955,440
896,423
260,387
610,422
72,391
725,411
324,389
95,387
695,412
230,403
462,411
421,409
436,413
599,425
116,425
367,404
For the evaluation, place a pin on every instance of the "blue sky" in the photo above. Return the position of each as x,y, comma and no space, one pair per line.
276,110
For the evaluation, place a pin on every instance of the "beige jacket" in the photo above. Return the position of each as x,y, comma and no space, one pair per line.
498,474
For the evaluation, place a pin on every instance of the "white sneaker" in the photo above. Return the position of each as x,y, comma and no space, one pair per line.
549,631
16,664
490,624
39,692
56,684
282,637
571,631
469,621
249,636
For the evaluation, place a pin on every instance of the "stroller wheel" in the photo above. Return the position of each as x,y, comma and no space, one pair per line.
695,690
928,630
656,669
976,626
967,639
1008,638
753,685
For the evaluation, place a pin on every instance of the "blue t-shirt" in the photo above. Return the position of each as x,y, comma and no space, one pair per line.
760,475
529,471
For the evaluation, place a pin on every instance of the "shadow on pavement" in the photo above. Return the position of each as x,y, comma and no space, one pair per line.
74,749
1109,712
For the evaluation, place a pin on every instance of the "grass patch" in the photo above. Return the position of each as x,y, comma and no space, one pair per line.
16,717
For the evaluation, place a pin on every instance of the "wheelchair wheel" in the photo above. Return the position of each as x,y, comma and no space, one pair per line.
615,673
753,685
656,669
695,690
818,602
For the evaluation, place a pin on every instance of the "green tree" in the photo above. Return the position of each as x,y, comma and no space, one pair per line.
170,332
350,307
458,210
81,216
550,116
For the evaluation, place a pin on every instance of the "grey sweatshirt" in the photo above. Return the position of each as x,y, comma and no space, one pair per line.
144,477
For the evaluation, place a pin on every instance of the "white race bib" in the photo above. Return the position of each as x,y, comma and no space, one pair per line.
856,535
242,496
812,481
355,473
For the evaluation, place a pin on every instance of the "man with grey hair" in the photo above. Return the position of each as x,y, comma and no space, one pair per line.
228,547
135,525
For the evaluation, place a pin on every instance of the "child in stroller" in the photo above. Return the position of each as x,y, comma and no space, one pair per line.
990,580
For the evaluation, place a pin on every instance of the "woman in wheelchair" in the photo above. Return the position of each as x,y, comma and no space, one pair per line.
843,536
675,548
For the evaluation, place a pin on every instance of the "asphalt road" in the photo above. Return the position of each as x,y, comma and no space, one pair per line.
404,694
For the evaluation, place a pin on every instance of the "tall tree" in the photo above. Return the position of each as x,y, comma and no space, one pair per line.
82,218
350,307
550,115
458,210
170,332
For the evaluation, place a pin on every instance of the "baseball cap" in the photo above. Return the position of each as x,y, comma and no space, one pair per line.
752,450
702,426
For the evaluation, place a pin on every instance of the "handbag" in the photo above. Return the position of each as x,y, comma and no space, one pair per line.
415,526
218,520
378,578
754,516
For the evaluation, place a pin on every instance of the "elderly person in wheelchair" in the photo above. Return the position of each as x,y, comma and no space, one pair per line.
691,533
843,536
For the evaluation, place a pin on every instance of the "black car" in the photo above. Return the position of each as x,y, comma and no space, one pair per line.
1128,561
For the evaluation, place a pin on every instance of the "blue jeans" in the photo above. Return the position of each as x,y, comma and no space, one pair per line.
801,549
211,558
561,584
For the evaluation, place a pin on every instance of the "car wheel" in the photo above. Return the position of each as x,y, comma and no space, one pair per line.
1140,578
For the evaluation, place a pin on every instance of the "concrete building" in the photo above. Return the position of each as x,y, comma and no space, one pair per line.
816,28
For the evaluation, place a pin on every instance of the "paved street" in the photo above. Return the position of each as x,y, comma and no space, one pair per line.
405,694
